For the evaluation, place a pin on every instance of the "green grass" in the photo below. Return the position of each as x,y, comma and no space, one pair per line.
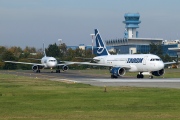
28,98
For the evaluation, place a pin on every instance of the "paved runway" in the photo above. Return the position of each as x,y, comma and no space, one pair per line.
99,80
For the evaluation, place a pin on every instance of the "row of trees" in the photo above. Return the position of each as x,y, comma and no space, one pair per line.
58,51
63,53
157,50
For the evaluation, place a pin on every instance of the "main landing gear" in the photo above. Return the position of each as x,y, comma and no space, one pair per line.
58,71
113,76
38,71
140,75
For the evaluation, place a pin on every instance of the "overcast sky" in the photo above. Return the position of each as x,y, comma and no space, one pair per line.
34,22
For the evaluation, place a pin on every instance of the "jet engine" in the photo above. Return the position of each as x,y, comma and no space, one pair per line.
158,73
117,71
65,67
36,67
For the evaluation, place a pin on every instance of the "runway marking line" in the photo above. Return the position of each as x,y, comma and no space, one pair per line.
65,80
138,81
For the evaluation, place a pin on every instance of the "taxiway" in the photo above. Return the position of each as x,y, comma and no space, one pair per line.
98,80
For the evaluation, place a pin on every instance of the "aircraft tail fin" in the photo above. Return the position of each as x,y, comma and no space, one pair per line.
101,47
44,50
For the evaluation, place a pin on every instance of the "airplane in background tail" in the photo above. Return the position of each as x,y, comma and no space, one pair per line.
46,62
143,63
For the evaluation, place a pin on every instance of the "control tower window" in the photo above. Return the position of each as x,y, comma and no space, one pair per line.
132,18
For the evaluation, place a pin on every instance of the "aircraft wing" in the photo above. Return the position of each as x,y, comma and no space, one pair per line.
33,59
24,63
66,63
93,64
84,58
90,59
167,63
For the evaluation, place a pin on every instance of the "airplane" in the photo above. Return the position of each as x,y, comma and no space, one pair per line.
145,64
46,62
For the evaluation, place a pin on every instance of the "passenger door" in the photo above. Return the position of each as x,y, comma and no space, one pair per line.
144,60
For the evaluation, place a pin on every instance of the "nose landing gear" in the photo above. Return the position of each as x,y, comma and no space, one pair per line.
151,77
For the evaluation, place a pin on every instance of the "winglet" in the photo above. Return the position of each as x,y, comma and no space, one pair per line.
101,48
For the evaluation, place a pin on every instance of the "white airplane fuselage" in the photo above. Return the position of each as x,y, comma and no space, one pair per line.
136,62
49,62
144,64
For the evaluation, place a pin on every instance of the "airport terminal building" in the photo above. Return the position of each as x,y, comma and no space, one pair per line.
131,43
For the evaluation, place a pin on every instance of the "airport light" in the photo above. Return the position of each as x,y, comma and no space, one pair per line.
92,35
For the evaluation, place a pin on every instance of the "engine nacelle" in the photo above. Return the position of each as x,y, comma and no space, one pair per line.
158,73
65,67
36,67
118,71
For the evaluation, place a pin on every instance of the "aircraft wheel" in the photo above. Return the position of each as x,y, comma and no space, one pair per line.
113,76
138,76
151,77
141,76
57,71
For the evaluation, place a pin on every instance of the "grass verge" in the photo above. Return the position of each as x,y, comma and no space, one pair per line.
28,98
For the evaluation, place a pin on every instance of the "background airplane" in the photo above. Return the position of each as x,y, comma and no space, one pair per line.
46,62
143,63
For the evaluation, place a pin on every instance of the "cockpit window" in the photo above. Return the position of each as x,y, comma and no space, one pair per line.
52,60
155,59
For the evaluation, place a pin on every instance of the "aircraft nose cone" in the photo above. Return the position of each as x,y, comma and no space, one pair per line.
161,65
53,64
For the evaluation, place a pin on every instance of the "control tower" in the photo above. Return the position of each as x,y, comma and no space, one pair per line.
131,21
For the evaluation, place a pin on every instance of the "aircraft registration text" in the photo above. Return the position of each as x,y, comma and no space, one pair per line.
134,60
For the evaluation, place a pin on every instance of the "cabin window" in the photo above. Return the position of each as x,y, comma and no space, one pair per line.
52,60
